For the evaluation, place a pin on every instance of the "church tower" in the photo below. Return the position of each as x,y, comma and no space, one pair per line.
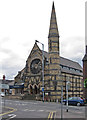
53,33
54,58
53,44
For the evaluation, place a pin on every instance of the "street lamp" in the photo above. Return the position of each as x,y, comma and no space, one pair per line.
67,87
42,66
60,77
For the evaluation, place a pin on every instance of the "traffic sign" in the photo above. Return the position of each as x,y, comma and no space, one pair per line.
42,89
4,86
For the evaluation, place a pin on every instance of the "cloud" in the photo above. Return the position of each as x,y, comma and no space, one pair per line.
73,48
11,62
9,67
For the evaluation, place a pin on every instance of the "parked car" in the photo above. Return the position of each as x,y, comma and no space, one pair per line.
2,94
75,101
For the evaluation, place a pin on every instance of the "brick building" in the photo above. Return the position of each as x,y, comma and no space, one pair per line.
85,72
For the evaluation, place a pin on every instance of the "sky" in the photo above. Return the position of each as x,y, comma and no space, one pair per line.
86,23
24,21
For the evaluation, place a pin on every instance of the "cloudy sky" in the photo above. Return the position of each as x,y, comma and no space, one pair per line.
24,21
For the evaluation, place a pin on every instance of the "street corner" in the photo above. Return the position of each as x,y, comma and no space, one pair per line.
6,110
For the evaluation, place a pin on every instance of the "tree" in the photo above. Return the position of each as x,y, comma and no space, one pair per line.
85,83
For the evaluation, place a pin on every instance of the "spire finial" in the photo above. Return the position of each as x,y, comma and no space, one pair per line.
53,31
53,5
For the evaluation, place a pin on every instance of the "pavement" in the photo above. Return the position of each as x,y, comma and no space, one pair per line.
69,115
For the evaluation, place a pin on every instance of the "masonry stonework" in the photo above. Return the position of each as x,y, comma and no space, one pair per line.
57,70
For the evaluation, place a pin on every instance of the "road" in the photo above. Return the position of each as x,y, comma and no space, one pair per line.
39,109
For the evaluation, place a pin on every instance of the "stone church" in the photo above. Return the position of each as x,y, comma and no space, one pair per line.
57,70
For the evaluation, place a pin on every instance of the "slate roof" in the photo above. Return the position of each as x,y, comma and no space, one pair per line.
68,66
70,63
9,82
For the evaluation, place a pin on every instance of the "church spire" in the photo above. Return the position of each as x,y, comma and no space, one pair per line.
53,30
53,37
53,46
53,7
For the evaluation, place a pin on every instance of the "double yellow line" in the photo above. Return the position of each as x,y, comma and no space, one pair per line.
12,110
50,116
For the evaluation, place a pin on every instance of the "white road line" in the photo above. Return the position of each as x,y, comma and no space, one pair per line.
25,110
13,116
10,114
35,103
37,110
40,110
32,110
22,104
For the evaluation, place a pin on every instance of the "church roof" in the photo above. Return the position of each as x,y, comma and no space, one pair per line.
70,63
68,66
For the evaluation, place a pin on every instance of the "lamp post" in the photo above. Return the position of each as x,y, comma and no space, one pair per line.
67,87
42,66
60,76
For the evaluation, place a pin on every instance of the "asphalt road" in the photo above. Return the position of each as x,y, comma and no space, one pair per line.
38,109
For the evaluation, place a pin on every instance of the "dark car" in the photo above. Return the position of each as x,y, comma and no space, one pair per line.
75,101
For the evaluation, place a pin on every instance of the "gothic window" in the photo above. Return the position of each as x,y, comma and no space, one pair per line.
36,66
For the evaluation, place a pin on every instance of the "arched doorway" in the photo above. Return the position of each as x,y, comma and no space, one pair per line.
31,89
39,89
35,89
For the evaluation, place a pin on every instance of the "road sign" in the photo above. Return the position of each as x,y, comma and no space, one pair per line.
42,89
4,86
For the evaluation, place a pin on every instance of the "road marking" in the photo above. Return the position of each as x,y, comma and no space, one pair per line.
9,111
31,110
12,116
51,115
35,103
25,110
40,110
